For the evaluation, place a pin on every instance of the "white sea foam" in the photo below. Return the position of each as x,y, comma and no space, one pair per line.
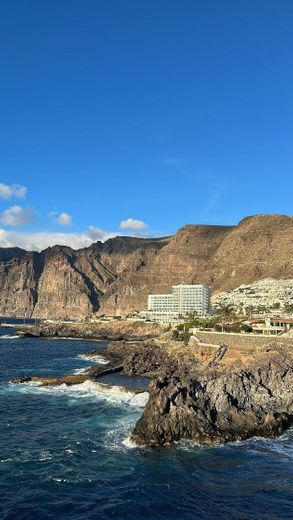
81,370
128,443
44,456
115,395
59,480
95,359
280,445
9,336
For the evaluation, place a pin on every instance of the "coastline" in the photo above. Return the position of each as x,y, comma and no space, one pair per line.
197,392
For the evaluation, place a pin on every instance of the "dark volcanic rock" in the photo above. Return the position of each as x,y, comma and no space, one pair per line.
91,373
113,331
145,358
219,406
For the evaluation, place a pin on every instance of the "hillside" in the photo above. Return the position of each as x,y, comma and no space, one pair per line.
115,277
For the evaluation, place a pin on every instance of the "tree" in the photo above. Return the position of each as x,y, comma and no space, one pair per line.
245,327
276,305
226,314
288,308
250,310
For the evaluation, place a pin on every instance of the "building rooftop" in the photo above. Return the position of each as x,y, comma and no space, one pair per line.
278,319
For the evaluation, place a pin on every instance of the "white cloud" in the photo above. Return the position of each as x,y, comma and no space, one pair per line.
132,223
17,216
96,234
7,191
38,241
64,219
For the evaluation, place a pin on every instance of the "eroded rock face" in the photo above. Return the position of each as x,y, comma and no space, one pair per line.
115,277
219,405
60,282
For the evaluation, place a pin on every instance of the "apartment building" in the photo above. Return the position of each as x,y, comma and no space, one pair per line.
184,299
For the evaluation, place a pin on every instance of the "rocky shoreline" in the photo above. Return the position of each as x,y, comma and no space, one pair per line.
109,331
199,392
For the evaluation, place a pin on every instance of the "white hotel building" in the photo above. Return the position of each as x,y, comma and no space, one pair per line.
183,300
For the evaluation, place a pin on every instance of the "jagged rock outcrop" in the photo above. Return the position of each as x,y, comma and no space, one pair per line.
220,405
116,277
142,358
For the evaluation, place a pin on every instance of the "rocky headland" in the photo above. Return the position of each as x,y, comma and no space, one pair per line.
220,402
207,393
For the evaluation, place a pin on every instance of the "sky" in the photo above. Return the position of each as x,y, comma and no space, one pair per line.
138,117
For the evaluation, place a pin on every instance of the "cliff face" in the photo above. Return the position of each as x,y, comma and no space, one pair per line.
62,283
183,259
116,277
225,257
259,247
18,282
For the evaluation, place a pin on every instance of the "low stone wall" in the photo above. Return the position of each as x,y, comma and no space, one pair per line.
240,340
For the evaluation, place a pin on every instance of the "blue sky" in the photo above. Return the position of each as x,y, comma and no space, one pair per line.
155,113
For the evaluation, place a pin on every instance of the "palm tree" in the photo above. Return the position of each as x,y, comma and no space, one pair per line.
250,310
226,313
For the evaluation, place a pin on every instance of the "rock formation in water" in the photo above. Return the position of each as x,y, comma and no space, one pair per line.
115,277
218,406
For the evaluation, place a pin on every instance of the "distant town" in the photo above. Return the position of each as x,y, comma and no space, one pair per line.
263,308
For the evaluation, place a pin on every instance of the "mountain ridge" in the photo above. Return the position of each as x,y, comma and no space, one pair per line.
116,276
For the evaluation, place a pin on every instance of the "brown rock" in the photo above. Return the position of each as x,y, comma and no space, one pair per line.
116,277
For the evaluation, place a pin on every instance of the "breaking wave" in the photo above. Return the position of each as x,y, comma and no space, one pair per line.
78,371
115,395
9,336
95,359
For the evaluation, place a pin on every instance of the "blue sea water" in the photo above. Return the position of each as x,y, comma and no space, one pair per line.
65,453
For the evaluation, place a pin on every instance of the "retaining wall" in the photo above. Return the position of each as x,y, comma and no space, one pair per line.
240,340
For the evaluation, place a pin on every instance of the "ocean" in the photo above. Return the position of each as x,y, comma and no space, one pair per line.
65,451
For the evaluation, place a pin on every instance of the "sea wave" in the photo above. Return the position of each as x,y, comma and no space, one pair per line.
9,336
281,445
115,395
78,371
95,359
128,443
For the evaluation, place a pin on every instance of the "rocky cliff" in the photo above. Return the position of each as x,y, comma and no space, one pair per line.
115,277
219,401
